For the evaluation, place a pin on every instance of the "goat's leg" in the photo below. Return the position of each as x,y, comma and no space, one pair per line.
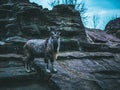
25,62
53,69
47,68
28,61
25,59
47,65
32,63
28,67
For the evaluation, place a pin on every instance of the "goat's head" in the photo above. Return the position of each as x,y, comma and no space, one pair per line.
55,35
55,38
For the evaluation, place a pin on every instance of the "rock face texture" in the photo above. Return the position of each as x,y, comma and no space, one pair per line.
28,20
88,59
101,41
113,27
13,1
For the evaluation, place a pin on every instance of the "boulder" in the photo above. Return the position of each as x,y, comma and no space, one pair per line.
100,41
113,27
99,36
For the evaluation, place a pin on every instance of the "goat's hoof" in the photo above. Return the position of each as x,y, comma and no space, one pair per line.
48,71
32,69
54,70
28,71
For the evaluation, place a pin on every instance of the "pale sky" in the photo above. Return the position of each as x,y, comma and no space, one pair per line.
104,9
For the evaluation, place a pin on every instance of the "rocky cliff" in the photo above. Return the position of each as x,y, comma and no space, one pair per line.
101,41
20,21
88,60
113,27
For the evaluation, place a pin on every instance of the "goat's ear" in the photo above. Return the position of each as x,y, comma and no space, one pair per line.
58,33
52,33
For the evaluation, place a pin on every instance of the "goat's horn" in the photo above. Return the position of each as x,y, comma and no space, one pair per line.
52,32
49,28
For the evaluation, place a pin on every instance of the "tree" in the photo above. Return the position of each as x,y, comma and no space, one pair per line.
105,20
95,20
54,3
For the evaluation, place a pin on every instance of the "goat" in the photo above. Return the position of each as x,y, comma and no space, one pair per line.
49,48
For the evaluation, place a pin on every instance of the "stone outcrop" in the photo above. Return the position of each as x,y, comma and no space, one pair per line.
100,41
13,1
99,36
88,59
113,27
29,20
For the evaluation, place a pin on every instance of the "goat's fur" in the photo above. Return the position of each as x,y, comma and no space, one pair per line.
49,48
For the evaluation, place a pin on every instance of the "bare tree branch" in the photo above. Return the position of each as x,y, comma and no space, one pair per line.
95,20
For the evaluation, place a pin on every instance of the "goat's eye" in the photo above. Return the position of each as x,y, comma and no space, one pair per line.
58,33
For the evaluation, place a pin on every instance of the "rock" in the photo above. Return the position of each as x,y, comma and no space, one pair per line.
16,39
32,21
11,48
66,45
99,36
81,71
66,10
15,74
12,30
59,81
31,30
2,43
82,64
40,68
100,41
99,47
13,1
84,55
13,45
3,1
70,24
3,32
113,27
11,60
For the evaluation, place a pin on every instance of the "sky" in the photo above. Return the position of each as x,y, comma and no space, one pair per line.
105,10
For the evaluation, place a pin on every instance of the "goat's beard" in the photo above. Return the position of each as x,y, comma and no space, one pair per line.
55,45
